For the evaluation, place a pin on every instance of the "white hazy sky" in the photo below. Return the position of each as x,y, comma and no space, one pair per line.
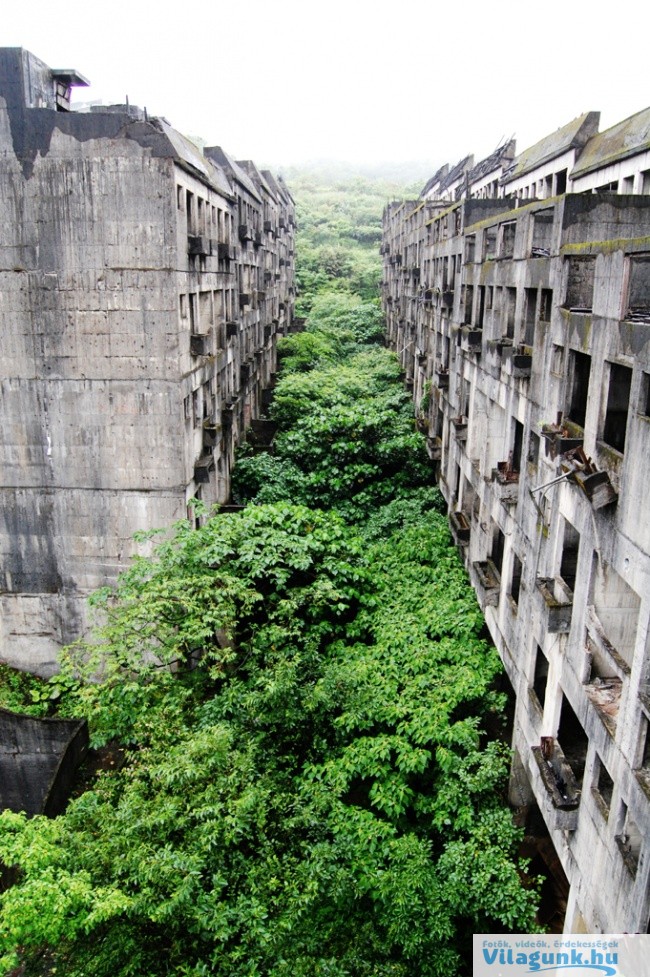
286,81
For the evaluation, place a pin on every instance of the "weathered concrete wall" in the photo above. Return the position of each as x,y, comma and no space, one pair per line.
480,309
139,331
38,760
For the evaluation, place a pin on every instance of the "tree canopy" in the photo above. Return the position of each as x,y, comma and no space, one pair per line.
299,694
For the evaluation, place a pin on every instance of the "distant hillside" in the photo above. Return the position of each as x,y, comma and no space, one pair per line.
339,211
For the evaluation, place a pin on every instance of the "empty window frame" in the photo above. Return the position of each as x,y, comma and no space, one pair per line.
570,552
498,546
603,787
560,182
490,240
189,210
542,233
573,740
469,302
617,608
644,397
517,445
638,302
507,247
470,247
580,284
530,313
618,405
580,370
546,304
511,305
480,314
540,675
629,839
515,580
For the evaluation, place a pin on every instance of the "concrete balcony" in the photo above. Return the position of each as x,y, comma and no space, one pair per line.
434,448
202,469
505,483
558,795
518,361
197,244
555,604
487,583
442,378
559,440
595,483
460,428
200,344
460,527
471,340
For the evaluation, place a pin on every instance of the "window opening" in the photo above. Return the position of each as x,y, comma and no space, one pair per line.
569,561
540,675
581,368
469,301
515,583
638,304
517,446
628,839
481,306
511,294
530,296
508,239
573,740
498,545
618,402
644,403
603,787
490,243
542,234
580,284
546,304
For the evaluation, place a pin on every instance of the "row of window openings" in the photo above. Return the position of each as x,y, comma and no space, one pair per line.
581,278
498,241
574,744
614,426
490,301
202,217
615,605
619,387
579,297
579,289
202,308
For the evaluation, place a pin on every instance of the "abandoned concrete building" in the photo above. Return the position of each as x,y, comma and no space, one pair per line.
143,285
517,294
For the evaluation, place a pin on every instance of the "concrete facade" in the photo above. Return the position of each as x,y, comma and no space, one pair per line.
523,326
143,284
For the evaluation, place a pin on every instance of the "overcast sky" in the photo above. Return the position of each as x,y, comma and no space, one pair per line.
286,81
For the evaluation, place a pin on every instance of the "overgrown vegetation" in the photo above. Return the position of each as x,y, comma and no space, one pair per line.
303,691
339,230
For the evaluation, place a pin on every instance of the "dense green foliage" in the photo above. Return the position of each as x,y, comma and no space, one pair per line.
339,230
347,439
302,691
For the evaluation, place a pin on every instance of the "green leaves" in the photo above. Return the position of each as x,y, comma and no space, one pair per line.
302,689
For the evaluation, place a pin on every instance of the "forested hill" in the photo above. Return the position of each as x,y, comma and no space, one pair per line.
301,700
339,215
